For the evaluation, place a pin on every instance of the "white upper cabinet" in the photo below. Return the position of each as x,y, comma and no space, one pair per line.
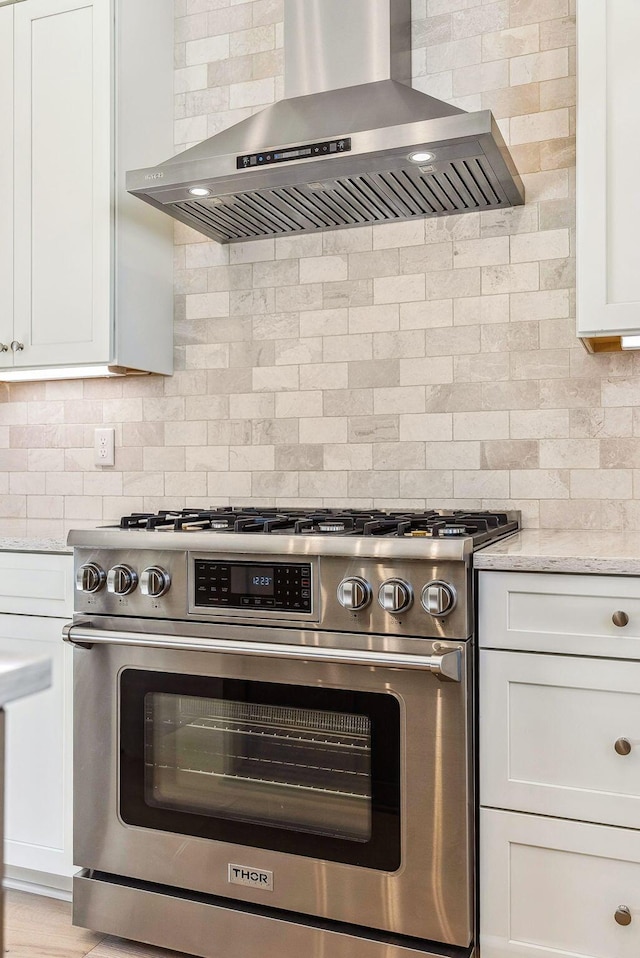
85,93
608,190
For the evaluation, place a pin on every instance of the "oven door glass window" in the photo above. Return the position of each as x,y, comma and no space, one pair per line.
306,770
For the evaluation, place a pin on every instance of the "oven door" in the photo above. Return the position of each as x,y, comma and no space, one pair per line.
333,784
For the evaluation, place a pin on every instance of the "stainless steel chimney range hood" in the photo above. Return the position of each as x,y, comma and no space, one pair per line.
350,144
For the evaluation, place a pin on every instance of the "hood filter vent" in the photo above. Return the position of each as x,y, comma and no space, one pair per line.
462,186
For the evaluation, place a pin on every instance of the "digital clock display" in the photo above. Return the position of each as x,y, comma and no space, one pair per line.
252,580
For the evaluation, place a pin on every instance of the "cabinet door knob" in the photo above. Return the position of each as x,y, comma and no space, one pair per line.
623,915
622,746
16,346
620,619
4,348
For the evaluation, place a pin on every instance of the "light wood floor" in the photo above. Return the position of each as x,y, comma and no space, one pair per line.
38,927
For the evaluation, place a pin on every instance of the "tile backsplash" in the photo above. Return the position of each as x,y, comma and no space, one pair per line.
429,362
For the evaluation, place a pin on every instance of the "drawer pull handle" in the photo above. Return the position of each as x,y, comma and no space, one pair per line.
623,915
622,746
620,619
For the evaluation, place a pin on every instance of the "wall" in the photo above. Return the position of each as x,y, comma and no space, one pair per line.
432,362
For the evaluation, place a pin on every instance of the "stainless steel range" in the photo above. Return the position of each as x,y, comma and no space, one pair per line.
273,724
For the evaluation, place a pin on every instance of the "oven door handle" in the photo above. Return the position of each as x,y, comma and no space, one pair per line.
446,665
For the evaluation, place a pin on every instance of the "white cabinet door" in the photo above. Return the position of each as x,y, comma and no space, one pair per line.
63,228
553,888
608,197
6,180
560,736
38,781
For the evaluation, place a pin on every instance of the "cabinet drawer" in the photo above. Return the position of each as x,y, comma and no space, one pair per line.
549,726
543,612
551,888
36,583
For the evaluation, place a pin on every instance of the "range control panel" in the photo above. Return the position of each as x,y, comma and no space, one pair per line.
272,587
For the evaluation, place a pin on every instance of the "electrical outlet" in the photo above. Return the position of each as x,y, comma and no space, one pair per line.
104,446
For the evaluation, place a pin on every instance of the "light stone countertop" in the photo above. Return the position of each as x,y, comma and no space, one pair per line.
33,544
20,677
564,550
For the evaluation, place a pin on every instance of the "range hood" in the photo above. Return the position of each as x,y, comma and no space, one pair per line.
350,144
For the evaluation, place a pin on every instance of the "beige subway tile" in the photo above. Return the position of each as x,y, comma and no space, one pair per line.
426,426
506,222
323,269
391,235
558,32
431,256
251,458
376,372
185,434
252,251
234,485
353,240
260,353
570,453
45,460
276,432
522,277
559,332
209,459
329,486
455,54
620,453
536,67
196,408
509,454
251,93
373,484
400,399
558,273
510,337
346,348
545,483
374,429
299,458
542,364
347,402
539,305
539,423
252,406
515,42
325,376
28,484
276,378
250,302
539,126
430,484
481,252
435,312
526,156
481,310
446,284
292,404
480,425
427,31
345,457
374,319
374,263
534,11
159,458
206,49
185,484
274,484
481,484
107,483
544,245
131,484
427,371
356,292
207,356
558,154
478,20
546,185
558,93
483,367
622,392
283,272
325,322
63,484
513,101
613,423
601,484
320,430
480,77
398,455
291,352
399,289
293,247
77,506
398,345
456,397
297,298
571,393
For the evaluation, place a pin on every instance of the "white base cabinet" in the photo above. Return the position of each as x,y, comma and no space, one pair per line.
38,744
86,92
550,887
559,754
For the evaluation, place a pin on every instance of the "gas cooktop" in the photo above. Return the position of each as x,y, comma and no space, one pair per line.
481,527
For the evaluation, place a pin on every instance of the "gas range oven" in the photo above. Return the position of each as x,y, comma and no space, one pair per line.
273,730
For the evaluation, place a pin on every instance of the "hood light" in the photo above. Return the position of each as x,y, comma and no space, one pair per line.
421,156
199,191
59,372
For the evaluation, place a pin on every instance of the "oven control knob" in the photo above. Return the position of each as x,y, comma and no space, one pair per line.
354,593
155,581
438,598
90,577
121,580
395,595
